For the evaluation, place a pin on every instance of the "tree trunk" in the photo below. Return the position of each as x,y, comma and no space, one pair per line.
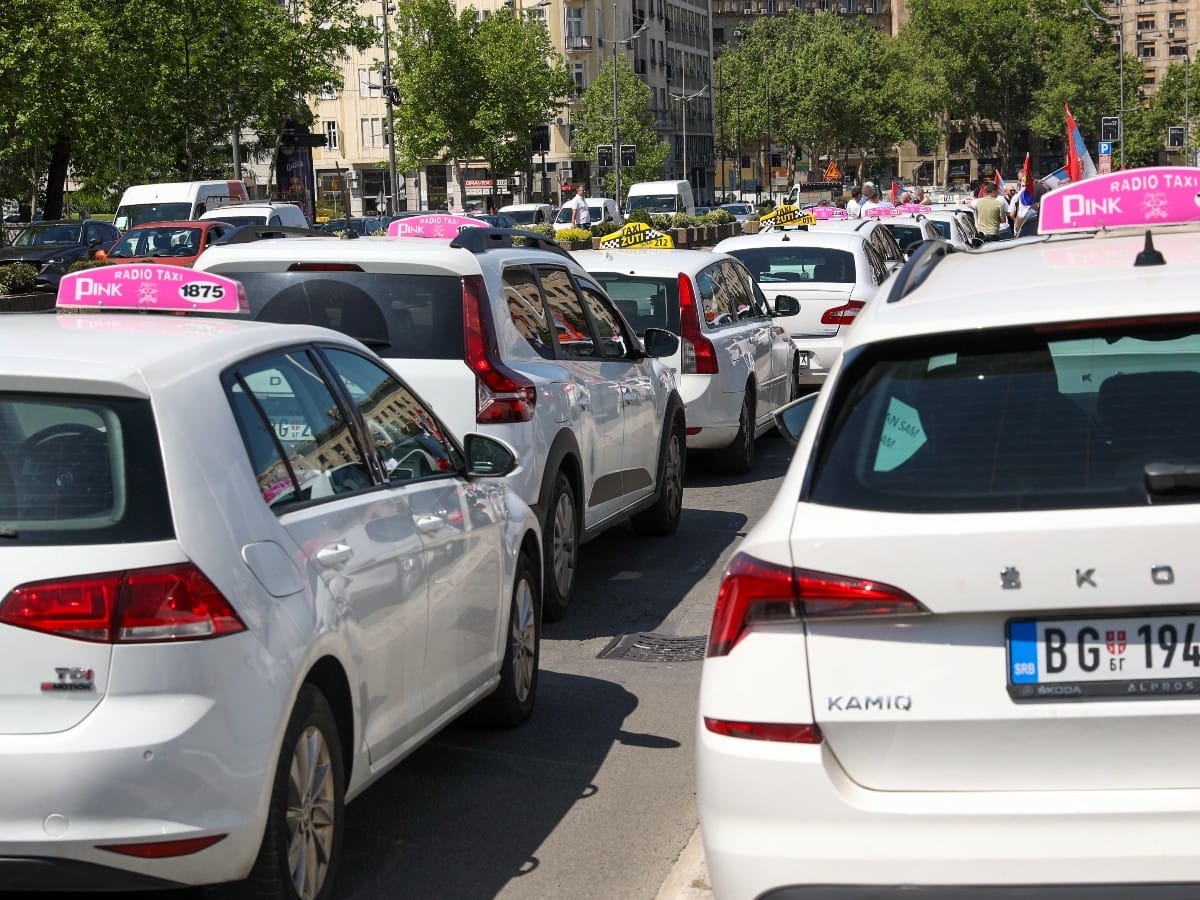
56,178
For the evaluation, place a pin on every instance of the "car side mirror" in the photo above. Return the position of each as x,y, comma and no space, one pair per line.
488,457
792,418
786,305
659,342
100,255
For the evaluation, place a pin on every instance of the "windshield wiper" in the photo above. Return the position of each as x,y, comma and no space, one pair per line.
1167,478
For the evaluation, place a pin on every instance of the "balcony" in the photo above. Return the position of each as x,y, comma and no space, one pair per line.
578,42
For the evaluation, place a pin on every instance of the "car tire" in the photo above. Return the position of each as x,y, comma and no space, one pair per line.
306,817
663,517
560,536
512,701
738,457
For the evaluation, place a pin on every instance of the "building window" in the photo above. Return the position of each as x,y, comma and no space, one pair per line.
577,75
367,86
329,91
956,142
1145,22
575,22
1177,50
372,133
1146,49
331,135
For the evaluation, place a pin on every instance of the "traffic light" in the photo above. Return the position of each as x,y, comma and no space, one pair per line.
629,154
1110,128
604,156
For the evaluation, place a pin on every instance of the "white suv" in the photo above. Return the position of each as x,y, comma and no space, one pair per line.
959,656
518,342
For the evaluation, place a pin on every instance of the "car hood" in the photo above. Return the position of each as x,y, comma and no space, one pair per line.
37,254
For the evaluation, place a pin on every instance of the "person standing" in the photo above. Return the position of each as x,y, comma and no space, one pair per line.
854,205
581,216
989,213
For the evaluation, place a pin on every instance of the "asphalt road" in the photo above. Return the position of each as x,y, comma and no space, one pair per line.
594,797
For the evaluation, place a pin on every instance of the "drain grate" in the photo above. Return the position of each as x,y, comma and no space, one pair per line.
650,647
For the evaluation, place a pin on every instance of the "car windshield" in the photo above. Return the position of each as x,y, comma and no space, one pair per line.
522,216
141,213
791,263
738,209
245,220
48,234
564,215
645,301
655,203
158,241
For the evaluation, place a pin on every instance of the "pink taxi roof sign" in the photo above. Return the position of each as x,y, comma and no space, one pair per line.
827,212
1157,195
150,287
434,225
880,212
911,208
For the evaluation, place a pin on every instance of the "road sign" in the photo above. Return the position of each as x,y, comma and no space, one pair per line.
832,172
1104,148
1175,137
604,155
1110,128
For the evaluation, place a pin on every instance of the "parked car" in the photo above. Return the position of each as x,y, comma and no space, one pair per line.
736,365
529,213
51,247
875,230
603,210
259,213
363,225
909,231
177,243
232,600
957,655
515,341
739,210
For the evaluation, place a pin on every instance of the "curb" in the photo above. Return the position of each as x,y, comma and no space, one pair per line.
688,879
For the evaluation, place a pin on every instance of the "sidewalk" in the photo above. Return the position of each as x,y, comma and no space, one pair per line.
688,880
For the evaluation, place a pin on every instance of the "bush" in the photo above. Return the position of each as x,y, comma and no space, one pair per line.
720,217
661,221
683,220
544,229
81,264
20,278
639,215
604,229
765,207
574,234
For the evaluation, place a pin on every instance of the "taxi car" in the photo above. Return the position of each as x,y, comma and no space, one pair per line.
736,365
247,571
174,243
911,229
959,654
514,341
831,274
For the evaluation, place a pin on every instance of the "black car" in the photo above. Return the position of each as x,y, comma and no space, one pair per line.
51,247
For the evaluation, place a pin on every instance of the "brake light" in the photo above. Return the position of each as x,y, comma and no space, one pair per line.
786,732
324,267
163,849
842,315
756,592
501,395
165,603
699,354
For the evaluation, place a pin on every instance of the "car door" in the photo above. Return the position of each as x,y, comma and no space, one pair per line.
357,543
622,361
775,373
461,536
598,414
760,334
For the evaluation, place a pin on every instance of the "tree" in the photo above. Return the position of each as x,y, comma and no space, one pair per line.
635,119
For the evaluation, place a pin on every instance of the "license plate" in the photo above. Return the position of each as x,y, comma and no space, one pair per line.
1143,657
804,358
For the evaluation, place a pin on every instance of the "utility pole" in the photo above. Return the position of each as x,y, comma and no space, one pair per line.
1120,68
616,114
390,97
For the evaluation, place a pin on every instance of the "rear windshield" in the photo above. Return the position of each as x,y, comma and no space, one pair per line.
943,228
788,263
645,301
80,471
141,213
396,315
995,421
905,235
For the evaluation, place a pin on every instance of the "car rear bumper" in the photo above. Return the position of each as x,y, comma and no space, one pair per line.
713,410
821,354
988,892
784,821
37,874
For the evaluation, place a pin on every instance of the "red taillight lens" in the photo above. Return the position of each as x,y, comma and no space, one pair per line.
842,315
324,267
756,592
166,603
163,849
502,395
766,731
699,354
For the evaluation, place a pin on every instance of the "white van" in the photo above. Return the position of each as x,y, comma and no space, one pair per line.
602,210
668,197
259,213
529,213
175,201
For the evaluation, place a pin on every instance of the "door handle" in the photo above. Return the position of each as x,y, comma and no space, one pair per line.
334,554
430,524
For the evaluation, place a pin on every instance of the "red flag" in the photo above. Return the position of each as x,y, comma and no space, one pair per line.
999,182
1027,192
894,193
1074,167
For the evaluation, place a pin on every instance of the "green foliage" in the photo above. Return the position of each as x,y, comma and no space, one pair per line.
545,230
80,264
19,278
719,217
659,221
574,234
683,220
639,215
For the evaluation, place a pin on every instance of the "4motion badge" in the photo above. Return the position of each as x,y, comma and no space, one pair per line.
71,679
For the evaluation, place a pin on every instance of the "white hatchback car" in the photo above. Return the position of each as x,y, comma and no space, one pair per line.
247,571
956,225
959,656
514,341
832,274
735,364
911,230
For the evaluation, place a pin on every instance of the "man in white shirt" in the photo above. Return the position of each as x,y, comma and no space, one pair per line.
581,216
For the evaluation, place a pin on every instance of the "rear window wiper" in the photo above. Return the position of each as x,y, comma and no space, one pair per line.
1168,478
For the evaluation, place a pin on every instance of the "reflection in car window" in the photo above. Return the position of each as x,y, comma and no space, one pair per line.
570,323
300,446
612,341
525,306
408,438
646,301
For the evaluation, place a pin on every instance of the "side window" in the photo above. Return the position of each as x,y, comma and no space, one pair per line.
717,303
524,299
879,271
613,344
409,440
571,326
739,291
299,443
274,220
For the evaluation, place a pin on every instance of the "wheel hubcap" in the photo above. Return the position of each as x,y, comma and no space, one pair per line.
747,433
564,544
673,483
524,639
310,813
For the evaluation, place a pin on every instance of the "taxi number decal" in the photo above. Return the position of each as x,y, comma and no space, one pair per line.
202,292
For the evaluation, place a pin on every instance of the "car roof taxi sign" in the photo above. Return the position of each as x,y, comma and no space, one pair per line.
636,234
787,214
150,287
1157,195
434,225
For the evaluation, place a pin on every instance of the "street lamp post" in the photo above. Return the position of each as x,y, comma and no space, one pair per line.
1120,68
391,97
616,115
686,99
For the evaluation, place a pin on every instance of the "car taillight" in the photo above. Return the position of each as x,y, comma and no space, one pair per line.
756,592
842,315
165,603
501,395
164,849
787,732
699,354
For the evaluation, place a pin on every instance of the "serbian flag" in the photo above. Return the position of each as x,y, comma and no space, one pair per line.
999,182
894,193
1079,161
1027,179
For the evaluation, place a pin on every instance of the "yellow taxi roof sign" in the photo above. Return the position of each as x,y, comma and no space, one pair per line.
788,214
636,234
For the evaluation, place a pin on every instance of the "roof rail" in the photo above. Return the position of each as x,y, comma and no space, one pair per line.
248,233
480,240
920,263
